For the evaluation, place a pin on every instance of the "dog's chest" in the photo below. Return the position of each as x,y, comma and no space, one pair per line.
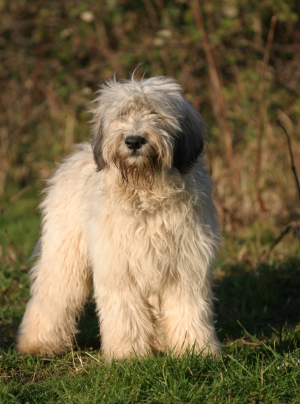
147,243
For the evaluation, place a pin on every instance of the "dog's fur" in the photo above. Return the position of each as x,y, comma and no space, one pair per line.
139,225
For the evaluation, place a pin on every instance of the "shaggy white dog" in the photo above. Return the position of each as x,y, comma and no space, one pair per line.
134,217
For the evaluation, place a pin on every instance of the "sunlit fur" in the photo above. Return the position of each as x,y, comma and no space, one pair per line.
138,225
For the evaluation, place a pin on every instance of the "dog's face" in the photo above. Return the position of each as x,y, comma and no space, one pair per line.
143,128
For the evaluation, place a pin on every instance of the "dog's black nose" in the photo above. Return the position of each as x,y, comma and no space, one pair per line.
134,142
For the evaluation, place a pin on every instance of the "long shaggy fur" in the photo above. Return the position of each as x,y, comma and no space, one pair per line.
135,221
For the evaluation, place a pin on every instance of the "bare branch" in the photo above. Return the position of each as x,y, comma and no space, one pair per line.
260,115
14,198
293,225
291,154
220,108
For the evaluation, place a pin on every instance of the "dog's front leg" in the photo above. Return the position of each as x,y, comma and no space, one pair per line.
188,319
127,323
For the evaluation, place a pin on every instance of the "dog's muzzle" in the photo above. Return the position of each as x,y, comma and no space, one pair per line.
134,142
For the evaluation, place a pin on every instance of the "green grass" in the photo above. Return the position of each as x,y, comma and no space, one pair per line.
244,374
20,220
257,318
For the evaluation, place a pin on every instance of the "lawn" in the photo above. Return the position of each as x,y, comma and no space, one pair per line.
257,318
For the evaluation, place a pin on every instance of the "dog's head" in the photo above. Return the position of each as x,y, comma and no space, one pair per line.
144,127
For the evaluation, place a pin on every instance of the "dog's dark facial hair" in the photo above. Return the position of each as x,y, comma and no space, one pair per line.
189,142
97,149
143,172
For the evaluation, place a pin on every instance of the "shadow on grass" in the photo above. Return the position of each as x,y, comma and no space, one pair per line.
263,303
89,336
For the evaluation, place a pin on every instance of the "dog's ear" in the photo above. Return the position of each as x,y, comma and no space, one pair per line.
98,133
190,140
97,147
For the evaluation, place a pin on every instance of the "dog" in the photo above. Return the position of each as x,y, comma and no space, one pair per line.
132,216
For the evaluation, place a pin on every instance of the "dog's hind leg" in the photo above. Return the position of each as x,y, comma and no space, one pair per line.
59,290
60,277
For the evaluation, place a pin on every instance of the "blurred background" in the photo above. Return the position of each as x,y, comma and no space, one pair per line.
238,62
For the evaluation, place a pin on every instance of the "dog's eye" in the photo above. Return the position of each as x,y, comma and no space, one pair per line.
123,115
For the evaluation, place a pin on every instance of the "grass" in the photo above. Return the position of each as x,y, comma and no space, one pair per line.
257,320
243,375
